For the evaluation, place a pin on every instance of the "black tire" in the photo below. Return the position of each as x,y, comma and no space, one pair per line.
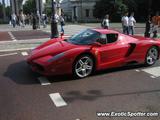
86,68
152,56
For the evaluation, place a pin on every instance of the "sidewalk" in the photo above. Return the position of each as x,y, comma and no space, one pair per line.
70,29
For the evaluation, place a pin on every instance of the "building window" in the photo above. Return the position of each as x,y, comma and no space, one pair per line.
87,12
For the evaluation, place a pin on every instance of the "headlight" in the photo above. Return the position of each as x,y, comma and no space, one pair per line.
56,57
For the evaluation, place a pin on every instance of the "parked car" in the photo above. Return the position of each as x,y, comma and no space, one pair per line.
92,50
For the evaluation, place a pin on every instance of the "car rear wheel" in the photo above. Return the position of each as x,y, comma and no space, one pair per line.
83,66
152,56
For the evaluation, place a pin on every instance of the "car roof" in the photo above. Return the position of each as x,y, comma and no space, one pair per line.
105,31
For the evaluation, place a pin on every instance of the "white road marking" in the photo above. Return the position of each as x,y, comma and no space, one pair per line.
137,70
8,54
152,76
44,81
24,41
57,100
24,53
154,71
18,49
12,36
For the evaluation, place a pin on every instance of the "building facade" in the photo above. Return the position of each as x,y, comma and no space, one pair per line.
79,10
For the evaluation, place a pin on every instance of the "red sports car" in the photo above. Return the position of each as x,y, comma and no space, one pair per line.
92,50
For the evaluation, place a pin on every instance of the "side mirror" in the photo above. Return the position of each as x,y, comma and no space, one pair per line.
96,44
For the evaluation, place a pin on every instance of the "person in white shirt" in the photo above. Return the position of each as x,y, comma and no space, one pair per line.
125,23
131,23
14,18
105,22
62,23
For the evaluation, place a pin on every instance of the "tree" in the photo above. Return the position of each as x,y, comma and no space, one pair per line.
4,11
8,11
29,7
48,9
115,8
131,4
1,7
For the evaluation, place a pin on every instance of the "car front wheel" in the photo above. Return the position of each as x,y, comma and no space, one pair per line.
83,66
152,56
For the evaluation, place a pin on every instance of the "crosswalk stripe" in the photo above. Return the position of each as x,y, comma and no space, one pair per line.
24,53
8,54
57,100
12,36
137,70
152,76
44,81
154,71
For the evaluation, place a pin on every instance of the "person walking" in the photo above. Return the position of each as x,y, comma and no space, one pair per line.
44,18
14,19
131,23
105,22
156,24
38,20
22,19
62,23
125,23
148,27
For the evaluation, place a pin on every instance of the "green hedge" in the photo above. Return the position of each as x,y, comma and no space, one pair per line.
3,22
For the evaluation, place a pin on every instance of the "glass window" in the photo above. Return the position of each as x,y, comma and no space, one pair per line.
103,39
87,12
85,37
107,38
112,38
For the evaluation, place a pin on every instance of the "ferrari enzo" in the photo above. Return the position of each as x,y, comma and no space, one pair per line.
92,50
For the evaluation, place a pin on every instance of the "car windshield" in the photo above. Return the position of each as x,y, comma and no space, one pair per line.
85,37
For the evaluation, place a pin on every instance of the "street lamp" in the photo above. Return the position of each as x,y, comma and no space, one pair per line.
54,29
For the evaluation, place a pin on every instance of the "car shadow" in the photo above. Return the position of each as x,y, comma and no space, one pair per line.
20,73
62,78
92,95
118,69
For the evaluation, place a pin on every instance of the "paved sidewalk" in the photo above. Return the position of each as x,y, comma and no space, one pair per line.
22,41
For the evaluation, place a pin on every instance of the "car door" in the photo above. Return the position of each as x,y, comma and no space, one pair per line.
113,53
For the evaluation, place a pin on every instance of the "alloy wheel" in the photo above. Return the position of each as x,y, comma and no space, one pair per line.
83,66
152,56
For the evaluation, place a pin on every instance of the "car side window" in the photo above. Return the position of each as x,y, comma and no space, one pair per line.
102,39
111,37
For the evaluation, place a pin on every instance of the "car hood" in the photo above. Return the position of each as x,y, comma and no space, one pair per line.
52,49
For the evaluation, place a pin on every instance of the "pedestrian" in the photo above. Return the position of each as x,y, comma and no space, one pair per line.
34,21
148,27
30,19
125,23
10,20
156,24
27,19
105,22
131,23
18,20
14,19
62,23
44,18
22,19
38,19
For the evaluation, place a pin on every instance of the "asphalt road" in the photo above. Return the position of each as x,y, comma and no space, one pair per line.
24,97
